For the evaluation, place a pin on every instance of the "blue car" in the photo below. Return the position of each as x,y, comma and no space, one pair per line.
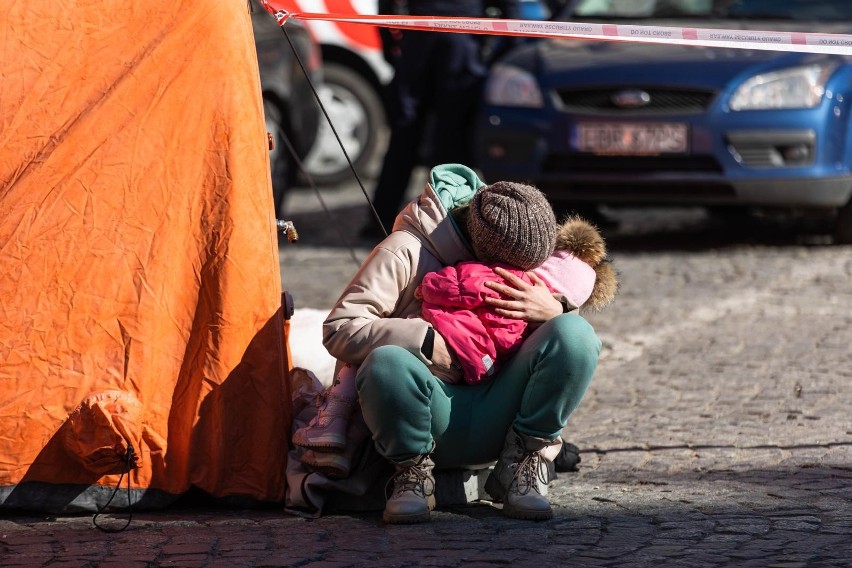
623,123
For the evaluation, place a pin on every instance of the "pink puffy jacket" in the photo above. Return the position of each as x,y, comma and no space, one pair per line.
454,303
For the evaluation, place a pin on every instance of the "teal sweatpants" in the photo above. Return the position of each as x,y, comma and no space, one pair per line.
408,409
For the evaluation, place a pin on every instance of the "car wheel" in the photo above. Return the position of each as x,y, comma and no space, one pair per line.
356,111
280,161
843,225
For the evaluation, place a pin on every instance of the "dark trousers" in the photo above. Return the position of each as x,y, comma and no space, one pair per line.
437,77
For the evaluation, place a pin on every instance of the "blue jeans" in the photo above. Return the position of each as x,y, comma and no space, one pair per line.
410,411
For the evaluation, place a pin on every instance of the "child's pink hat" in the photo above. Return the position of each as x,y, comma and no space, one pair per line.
568,275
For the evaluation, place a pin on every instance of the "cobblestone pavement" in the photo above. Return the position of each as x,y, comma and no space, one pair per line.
717,432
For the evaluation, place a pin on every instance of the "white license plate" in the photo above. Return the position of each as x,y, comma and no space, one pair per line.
631,139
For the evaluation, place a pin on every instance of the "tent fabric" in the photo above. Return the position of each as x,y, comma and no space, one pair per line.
103,432
138,255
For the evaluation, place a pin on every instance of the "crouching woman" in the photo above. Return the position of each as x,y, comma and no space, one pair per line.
421,415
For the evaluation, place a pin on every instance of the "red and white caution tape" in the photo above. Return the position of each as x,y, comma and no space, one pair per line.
840,44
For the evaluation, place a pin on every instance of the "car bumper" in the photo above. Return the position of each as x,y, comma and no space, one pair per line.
801,192
714,175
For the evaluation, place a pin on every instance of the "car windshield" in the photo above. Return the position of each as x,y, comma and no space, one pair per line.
795,10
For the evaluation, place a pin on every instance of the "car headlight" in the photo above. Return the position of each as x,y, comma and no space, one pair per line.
798,87
512,86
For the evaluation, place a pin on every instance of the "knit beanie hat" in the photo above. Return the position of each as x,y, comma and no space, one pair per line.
511,223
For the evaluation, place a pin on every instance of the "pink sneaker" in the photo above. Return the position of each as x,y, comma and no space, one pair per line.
326,432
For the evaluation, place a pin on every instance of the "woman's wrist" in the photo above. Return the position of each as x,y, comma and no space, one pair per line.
428,347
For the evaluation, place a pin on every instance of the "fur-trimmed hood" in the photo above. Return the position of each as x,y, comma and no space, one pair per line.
584,241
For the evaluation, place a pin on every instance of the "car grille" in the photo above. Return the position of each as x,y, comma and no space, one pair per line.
772,148
621,165
599,101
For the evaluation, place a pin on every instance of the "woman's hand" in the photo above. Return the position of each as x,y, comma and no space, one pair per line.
521,300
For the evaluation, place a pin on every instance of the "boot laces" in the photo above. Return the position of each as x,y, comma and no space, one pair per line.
528,473
415,479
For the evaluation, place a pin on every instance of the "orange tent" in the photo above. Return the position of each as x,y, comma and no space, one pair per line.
140,293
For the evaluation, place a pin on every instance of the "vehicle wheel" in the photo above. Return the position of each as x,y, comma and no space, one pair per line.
843,225
356,111
280,160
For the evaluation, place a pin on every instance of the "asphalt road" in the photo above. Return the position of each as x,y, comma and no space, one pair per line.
717,430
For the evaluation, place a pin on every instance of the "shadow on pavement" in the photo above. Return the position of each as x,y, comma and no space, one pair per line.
696,229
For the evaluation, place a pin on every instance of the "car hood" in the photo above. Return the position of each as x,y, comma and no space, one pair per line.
562,62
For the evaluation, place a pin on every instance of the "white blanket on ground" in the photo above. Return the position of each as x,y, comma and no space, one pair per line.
306,344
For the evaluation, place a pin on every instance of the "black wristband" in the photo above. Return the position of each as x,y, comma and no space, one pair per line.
429,343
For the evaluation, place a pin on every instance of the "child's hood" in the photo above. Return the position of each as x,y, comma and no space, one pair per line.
582,239
427,217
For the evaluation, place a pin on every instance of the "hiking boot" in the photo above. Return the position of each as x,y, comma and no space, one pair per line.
326,432
516,477
413,496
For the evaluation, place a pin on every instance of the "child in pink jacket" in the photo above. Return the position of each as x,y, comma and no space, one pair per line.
454,297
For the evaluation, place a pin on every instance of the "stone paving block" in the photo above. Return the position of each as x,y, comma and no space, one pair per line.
461,486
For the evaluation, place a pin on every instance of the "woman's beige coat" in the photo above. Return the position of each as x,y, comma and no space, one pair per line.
378,306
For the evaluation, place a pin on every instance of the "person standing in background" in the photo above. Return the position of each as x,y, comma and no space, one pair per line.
437,75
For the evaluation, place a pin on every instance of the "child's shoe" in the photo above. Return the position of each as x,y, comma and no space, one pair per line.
339,465
326,432
335,466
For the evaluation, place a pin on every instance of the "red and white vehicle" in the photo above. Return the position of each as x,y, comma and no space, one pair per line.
355,72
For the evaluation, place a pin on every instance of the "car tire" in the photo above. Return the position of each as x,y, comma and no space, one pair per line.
280,160
358,115
843,225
